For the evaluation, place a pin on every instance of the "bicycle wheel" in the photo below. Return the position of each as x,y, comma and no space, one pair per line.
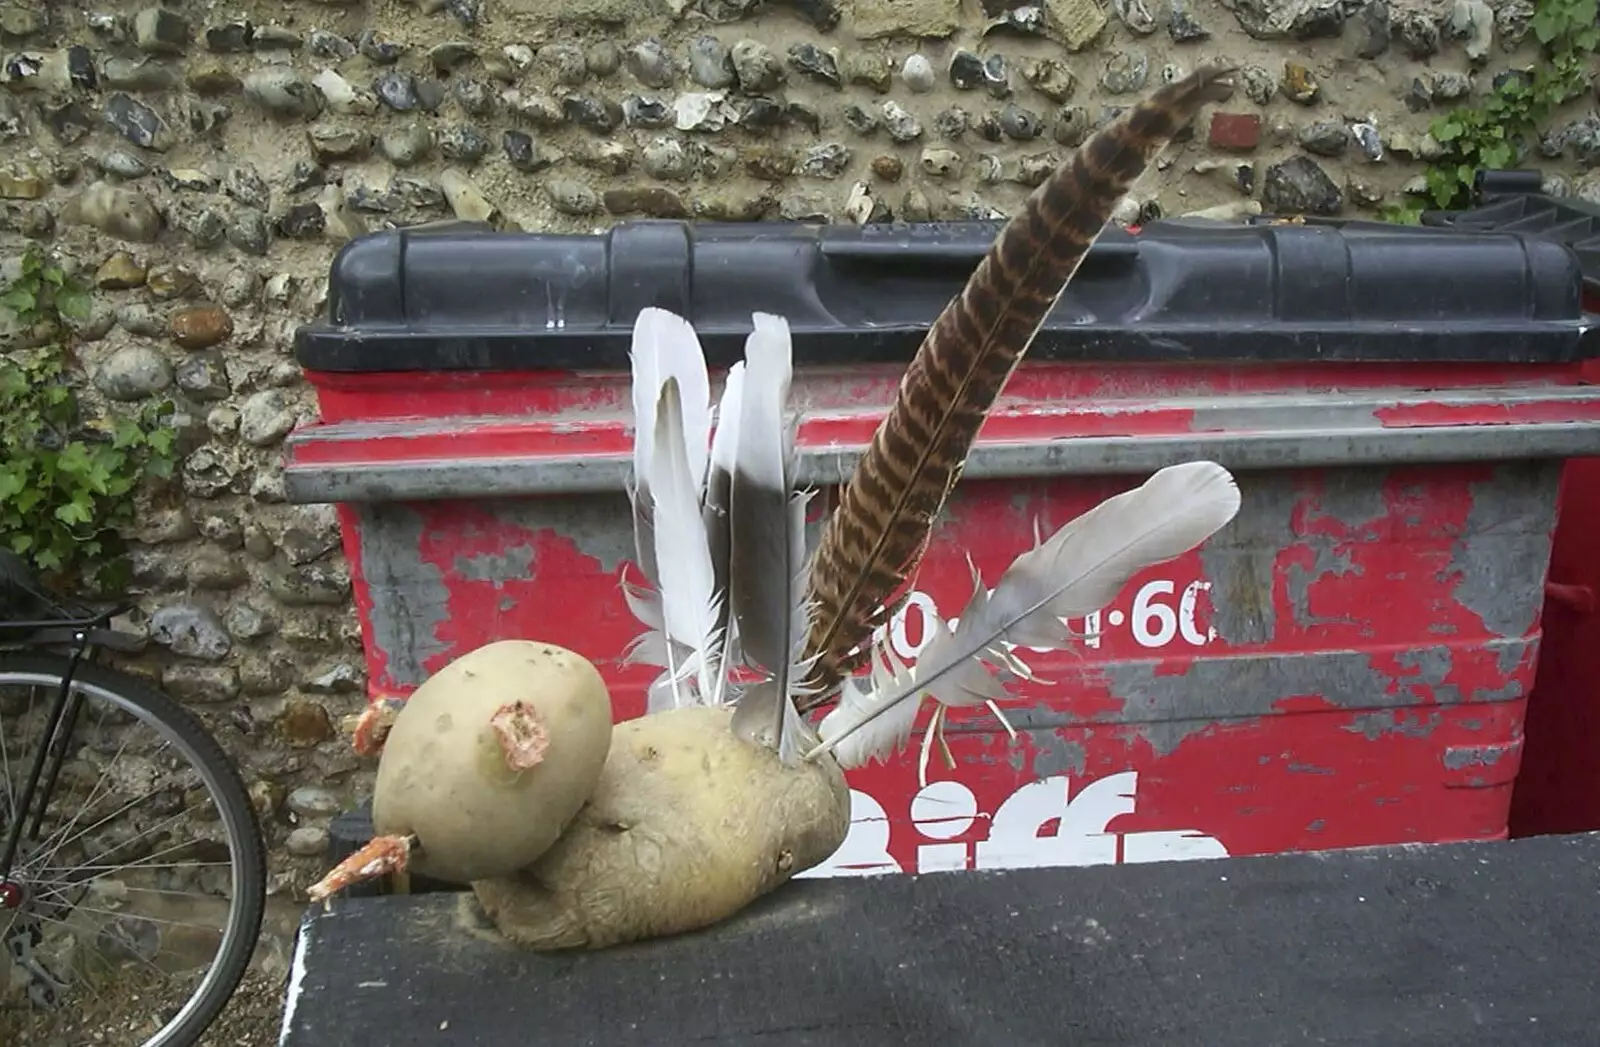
133,905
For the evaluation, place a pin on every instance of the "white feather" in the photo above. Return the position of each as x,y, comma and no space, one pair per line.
875,739
1076,571
665,346
689,598
725,441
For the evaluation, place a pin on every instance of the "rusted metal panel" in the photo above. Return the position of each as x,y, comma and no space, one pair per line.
1345,664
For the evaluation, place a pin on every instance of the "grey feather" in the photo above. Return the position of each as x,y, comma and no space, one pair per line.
719,493
768,540
1075,572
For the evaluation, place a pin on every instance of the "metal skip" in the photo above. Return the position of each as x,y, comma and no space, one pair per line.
1347,664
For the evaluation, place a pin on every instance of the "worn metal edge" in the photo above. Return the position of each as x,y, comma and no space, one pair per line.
1230,411
507,477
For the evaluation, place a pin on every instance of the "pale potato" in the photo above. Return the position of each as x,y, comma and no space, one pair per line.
688,825
490,759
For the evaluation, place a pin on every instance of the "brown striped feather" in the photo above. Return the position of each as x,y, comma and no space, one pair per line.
873,541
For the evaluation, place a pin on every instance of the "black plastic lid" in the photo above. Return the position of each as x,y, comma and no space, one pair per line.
1511,202
459,296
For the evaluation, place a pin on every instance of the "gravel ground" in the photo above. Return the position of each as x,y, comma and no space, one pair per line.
252,1016
249,1020
115,1015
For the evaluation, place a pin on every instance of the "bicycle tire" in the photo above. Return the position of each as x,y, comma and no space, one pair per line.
233,804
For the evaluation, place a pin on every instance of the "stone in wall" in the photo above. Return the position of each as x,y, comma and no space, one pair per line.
199,165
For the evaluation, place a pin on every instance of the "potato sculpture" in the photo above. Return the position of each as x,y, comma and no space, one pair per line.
724,791
688,825
491,758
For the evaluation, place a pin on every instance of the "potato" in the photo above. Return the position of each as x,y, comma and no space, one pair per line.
688,825
492,757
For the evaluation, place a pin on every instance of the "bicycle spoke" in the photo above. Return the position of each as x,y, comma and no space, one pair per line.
71,930
67,881
125,807
63,886
162,921
105,775
138,865
11,789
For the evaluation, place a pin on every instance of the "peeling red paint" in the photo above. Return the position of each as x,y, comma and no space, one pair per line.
576,604
559,418
567,395
377,657
1389,549
1475,414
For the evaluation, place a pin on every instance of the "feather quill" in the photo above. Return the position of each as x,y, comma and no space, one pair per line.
689,596
1076,571
767,550
874,539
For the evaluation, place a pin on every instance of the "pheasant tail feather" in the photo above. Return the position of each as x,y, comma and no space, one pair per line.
872,542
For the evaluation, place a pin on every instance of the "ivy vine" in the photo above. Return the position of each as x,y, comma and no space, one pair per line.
1498,131
67,474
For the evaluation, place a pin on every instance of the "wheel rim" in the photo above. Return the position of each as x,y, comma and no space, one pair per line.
33,861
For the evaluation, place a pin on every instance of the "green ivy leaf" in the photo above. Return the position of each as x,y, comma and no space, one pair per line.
73,304
1498,156
19,300
126,433
1546,24
65,486
74,459
1443,187
75,512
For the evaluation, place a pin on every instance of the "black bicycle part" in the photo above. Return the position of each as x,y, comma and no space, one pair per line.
32,621
228,792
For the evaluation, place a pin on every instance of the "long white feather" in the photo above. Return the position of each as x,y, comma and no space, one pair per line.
689,597
664,347
1077,570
